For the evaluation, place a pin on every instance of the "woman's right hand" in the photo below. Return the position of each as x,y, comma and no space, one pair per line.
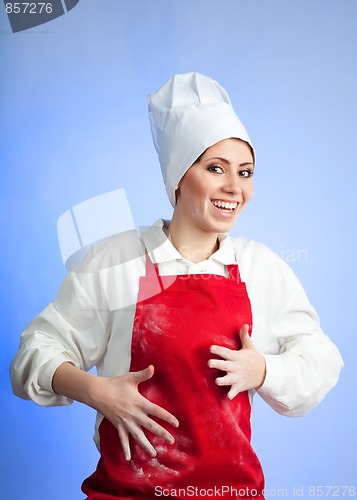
119,401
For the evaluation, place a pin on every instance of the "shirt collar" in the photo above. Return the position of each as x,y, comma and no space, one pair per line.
161,249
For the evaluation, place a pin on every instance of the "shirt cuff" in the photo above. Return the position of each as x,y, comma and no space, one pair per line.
274,377
48,370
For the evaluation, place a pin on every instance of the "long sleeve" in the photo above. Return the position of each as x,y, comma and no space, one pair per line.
302,363
307,365
72,328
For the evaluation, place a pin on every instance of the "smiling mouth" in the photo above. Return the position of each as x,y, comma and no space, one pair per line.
225,206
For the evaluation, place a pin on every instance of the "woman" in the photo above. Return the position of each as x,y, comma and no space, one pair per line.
180,341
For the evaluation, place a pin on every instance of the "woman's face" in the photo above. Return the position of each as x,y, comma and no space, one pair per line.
216,188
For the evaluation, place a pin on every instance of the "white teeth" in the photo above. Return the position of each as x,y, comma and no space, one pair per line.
224,204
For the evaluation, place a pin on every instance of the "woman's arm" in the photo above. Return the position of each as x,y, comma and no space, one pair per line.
118,400
306,366
302,363
70,329
63,342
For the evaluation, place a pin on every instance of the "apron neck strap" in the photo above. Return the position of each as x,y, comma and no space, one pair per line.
233,272
151,268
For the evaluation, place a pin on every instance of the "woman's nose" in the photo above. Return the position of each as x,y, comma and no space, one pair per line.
233,184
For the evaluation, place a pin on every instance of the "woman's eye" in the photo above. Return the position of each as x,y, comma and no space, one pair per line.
215,168
246,173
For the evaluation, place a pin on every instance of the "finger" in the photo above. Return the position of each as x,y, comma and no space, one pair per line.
226,380
124,441
223,352
139,436
143,375
158,430
159,412
244,329
247,342
220,364
233,392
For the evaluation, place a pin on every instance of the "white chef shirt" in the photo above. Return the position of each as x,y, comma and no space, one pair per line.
90,321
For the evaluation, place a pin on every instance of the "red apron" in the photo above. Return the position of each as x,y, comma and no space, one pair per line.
212,455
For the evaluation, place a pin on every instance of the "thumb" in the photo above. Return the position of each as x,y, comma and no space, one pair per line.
247,342
143,375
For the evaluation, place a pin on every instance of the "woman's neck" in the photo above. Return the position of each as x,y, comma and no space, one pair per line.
194,245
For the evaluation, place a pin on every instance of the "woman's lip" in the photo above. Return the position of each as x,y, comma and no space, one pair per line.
224,201
223,213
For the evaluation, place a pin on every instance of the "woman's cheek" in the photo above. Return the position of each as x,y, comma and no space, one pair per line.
249,194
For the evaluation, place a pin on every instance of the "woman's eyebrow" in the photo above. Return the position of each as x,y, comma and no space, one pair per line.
246,163
224,160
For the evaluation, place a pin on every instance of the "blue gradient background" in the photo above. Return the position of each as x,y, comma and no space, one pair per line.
74,125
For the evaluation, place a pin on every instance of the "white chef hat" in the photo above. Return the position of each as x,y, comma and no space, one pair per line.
190,113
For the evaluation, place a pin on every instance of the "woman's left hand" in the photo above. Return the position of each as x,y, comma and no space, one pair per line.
245,368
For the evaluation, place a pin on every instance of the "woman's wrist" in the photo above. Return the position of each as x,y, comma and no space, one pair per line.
76,384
